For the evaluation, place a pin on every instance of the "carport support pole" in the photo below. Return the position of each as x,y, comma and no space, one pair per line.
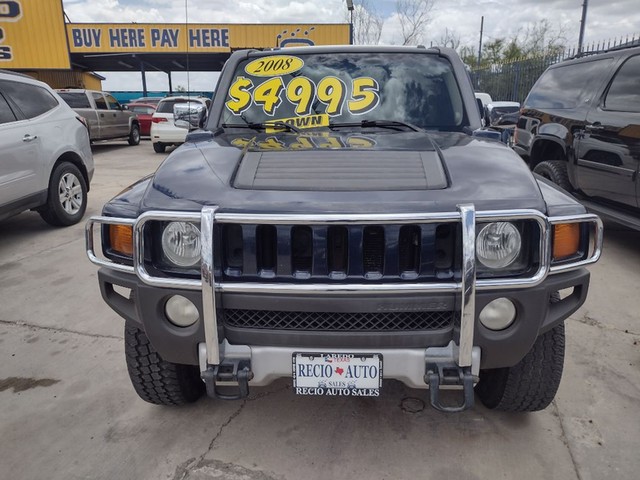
170,84
144,79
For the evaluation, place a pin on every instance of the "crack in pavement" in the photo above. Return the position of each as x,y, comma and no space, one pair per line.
258,396
184,468
565,440
222,427
586,319
58,330
194,463
16,260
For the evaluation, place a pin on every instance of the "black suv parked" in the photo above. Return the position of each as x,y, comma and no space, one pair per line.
580,128
335,222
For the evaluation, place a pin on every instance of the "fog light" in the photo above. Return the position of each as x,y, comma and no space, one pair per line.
181,311
498,314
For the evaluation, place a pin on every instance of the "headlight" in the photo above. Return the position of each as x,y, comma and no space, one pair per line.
498,245
181,244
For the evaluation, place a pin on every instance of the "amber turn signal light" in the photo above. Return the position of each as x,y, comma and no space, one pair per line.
566,240
121,237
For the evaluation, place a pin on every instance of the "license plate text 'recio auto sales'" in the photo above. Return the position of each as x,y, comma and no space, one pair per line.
344,374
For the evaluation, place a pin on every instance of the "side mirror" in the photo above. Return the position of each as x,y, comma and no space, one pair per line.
189,115
490,134
481,111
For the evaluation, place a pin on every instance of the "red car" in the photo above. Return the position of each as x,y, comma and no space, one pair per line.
144,112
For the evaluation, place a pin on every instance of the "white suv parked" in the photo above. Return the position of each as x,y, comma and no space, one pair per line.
45,161
163,131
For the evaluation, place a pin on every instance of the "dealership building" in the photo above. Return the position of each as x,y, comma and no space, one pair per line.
37,39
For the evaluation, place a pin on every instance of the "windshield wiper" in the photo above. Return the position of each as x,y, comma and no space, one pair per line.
263,126
393,124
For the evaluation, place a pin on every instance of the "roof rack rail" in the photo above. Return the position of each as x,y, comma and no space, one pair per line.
623,46
18,74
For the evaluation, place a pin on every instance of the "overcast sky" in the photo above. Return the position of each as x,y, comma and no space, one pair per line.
502,18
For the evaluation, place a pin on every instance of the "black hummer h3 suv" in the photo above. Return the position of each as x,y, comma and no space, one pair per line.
580,128
336,221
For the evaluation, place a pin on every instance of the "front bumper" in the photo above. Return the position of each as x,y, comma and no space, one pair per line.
420,359
167,132
536,314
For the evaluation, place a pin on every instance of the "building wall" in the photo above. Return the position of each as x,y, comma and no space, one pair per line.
66,78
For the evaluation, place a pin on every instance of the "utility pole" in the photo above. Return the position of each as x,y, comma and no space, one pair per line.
350,8
583,21
480,45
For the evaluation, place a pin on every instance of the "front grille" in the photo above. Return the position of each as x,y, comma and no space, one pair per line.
339,321
340,252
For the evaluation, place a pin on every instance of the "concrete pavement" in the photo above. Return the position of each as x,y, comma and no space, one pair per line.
68,411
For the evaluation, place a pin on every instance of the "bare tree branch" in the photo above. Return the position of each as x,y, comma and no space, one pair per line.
367,24
414,16
450,39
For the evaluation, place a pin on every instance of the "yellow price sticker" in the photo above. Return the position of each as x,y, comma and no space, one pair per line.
304,94
274,66
310,121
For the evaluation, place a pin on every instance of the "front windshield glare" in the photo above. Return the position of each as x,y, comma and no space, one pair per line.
316,90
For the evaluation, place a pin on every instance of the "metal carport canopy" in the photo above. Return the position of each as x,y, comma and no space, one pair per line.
163,62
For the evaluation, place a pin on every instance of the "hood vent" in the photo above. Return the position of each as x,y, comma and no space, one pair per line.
341,171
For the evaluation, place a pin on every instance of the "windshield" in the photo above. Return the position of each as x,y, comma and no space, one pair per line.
75,100
166,106
317,89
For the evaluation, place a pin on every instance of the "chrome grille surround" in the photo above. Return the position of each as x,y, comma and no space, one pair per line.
466,215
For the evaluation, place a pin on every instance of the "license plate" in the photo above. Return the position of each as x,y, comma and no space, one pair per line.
346,374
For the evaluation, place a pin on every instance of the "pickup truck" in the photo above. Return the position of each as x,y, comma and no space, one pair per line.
106,118
334,220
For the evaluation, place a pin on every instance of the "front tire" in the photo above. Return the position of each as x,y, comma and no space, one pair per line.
154,379
159,147
134,135
531,384
556,171
67,196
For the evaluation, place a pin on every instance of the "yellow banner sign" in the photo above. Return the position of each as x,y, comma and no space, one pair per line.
32,35
198,38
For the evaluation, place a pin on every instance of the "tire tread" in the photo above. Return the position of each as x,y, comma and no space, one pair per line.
52,212
530,385
154,379
556,171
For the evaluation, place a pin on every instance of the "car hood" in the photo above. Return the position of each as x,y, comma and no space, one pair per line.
340,172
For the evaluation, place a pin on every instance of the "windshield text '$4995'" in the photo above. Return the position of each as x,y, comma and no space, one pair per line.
303,93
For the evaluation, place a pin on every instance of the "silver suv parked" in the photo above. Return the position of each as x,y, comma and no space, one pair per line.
45,157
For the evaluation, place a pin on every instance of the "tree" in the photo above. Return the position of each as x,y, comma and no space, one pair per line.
367,24
414,16
540,39
450,39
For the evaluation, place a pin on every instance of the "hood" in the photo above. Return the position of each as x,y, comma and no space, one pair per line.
338,172
341,163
